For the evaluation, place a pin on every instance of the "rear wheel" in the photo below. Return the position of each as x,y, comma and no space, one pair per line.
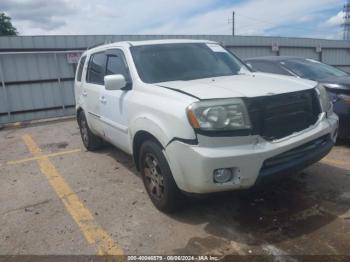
158,179
90,141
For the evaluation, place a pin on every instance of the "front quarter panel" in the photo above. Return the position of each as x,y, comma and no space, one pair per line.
160,112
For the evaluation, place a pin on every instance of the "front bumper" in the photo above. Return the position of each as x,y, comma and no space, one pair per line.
343,111
193,165
344,126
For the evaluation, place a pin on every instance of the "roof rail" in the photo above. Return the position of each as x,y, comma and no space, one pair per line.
105,43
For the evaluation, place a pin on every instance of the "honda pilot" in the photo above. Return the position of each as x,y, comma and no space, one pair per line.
196,119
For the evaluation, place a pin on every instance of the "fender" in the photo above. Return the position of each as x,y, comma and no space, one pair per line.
150,125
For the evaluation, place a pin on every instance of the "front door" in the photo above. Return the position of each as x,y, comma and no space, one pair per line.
93,90
114,110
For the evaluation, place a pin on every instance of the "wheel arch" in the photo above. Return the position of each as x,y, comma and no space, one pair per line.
140,137
79,110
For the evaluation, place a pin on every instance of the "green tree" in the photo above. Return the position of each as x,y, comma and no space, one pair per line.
6,27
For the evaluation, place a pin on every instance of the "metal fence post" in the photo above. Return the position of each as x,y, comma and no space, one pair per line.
7,102
321,56
59,83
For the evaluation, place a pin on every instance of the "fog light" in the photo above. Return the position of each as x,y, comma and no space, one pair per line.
222,175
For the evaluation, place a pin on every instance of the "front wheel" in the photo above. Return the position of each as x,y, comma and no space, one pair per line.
158,179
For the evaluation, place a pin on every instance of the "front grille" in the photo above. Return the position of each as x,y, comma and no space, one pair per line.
278,116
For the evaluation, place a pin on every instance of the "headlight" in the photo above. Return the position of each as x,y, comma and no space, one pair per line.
219,115
325,102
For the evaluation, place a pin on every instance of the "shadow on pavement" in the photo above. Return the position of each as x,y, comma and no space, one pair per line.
281,211
287,209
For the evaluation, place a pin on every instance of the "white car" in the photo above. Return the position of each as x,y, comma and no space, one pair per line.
196,120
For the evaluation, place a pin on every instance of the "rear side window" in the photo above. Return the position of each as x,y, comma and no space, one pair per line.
80,68
96,69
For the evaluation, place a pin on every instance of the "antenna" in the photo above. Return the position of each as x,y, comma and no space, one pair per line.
346,23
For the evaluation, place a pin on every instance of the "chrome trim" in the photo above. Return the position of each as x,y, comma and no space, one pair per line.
94,115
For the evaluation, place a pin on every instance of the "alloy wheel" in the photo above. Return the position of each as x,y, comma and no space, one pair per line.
153,176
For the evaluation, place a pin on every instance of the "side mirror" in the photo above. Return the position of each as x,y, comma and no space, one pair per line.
115,82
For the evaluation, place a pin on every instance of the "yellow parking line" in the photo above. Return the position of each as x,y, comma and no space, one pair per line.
92,232
42,156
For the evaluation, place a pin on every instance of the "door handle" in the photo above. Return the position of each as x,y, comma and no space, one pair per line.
84,93
103,100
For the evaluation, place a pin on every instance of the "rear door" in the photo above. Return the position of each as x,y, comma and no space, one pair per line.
93,90
114,110
78,86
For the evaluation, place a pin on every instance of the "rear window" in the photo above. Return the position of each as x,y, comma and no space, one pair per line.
312,69
267,67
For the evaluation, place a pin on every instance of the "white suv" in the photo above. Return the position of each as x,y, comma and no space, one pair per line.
196,120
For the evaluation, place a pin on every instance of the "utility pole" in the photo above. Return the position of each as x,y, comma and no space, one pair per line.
232,20
233,23
346,23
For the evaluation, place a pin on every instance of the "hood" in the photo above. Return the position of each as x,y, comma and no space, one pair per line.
343,81
247,85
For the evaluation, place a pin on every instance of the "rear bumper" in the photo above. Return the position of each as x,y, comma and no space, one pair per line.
193,165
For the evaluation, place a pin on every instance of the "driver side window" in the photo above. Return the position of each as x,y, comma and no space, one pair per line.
116,64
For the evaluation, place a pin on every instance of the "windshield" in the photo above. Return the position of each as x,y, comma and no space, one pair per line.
172,62
312,69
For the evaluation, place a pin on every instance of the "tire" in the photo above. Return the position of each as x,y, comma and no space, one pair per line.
90,141
158,179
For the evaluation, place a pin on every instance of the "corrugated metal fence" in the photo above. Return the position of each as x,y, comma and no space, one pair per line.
37,72
35,85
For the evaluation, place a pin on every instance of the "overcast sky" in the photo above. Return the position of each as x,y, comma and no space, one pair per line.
301,18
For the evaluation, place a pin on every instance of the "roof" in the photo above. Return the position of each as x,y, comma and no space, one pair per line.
147,42
274,58
168,41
